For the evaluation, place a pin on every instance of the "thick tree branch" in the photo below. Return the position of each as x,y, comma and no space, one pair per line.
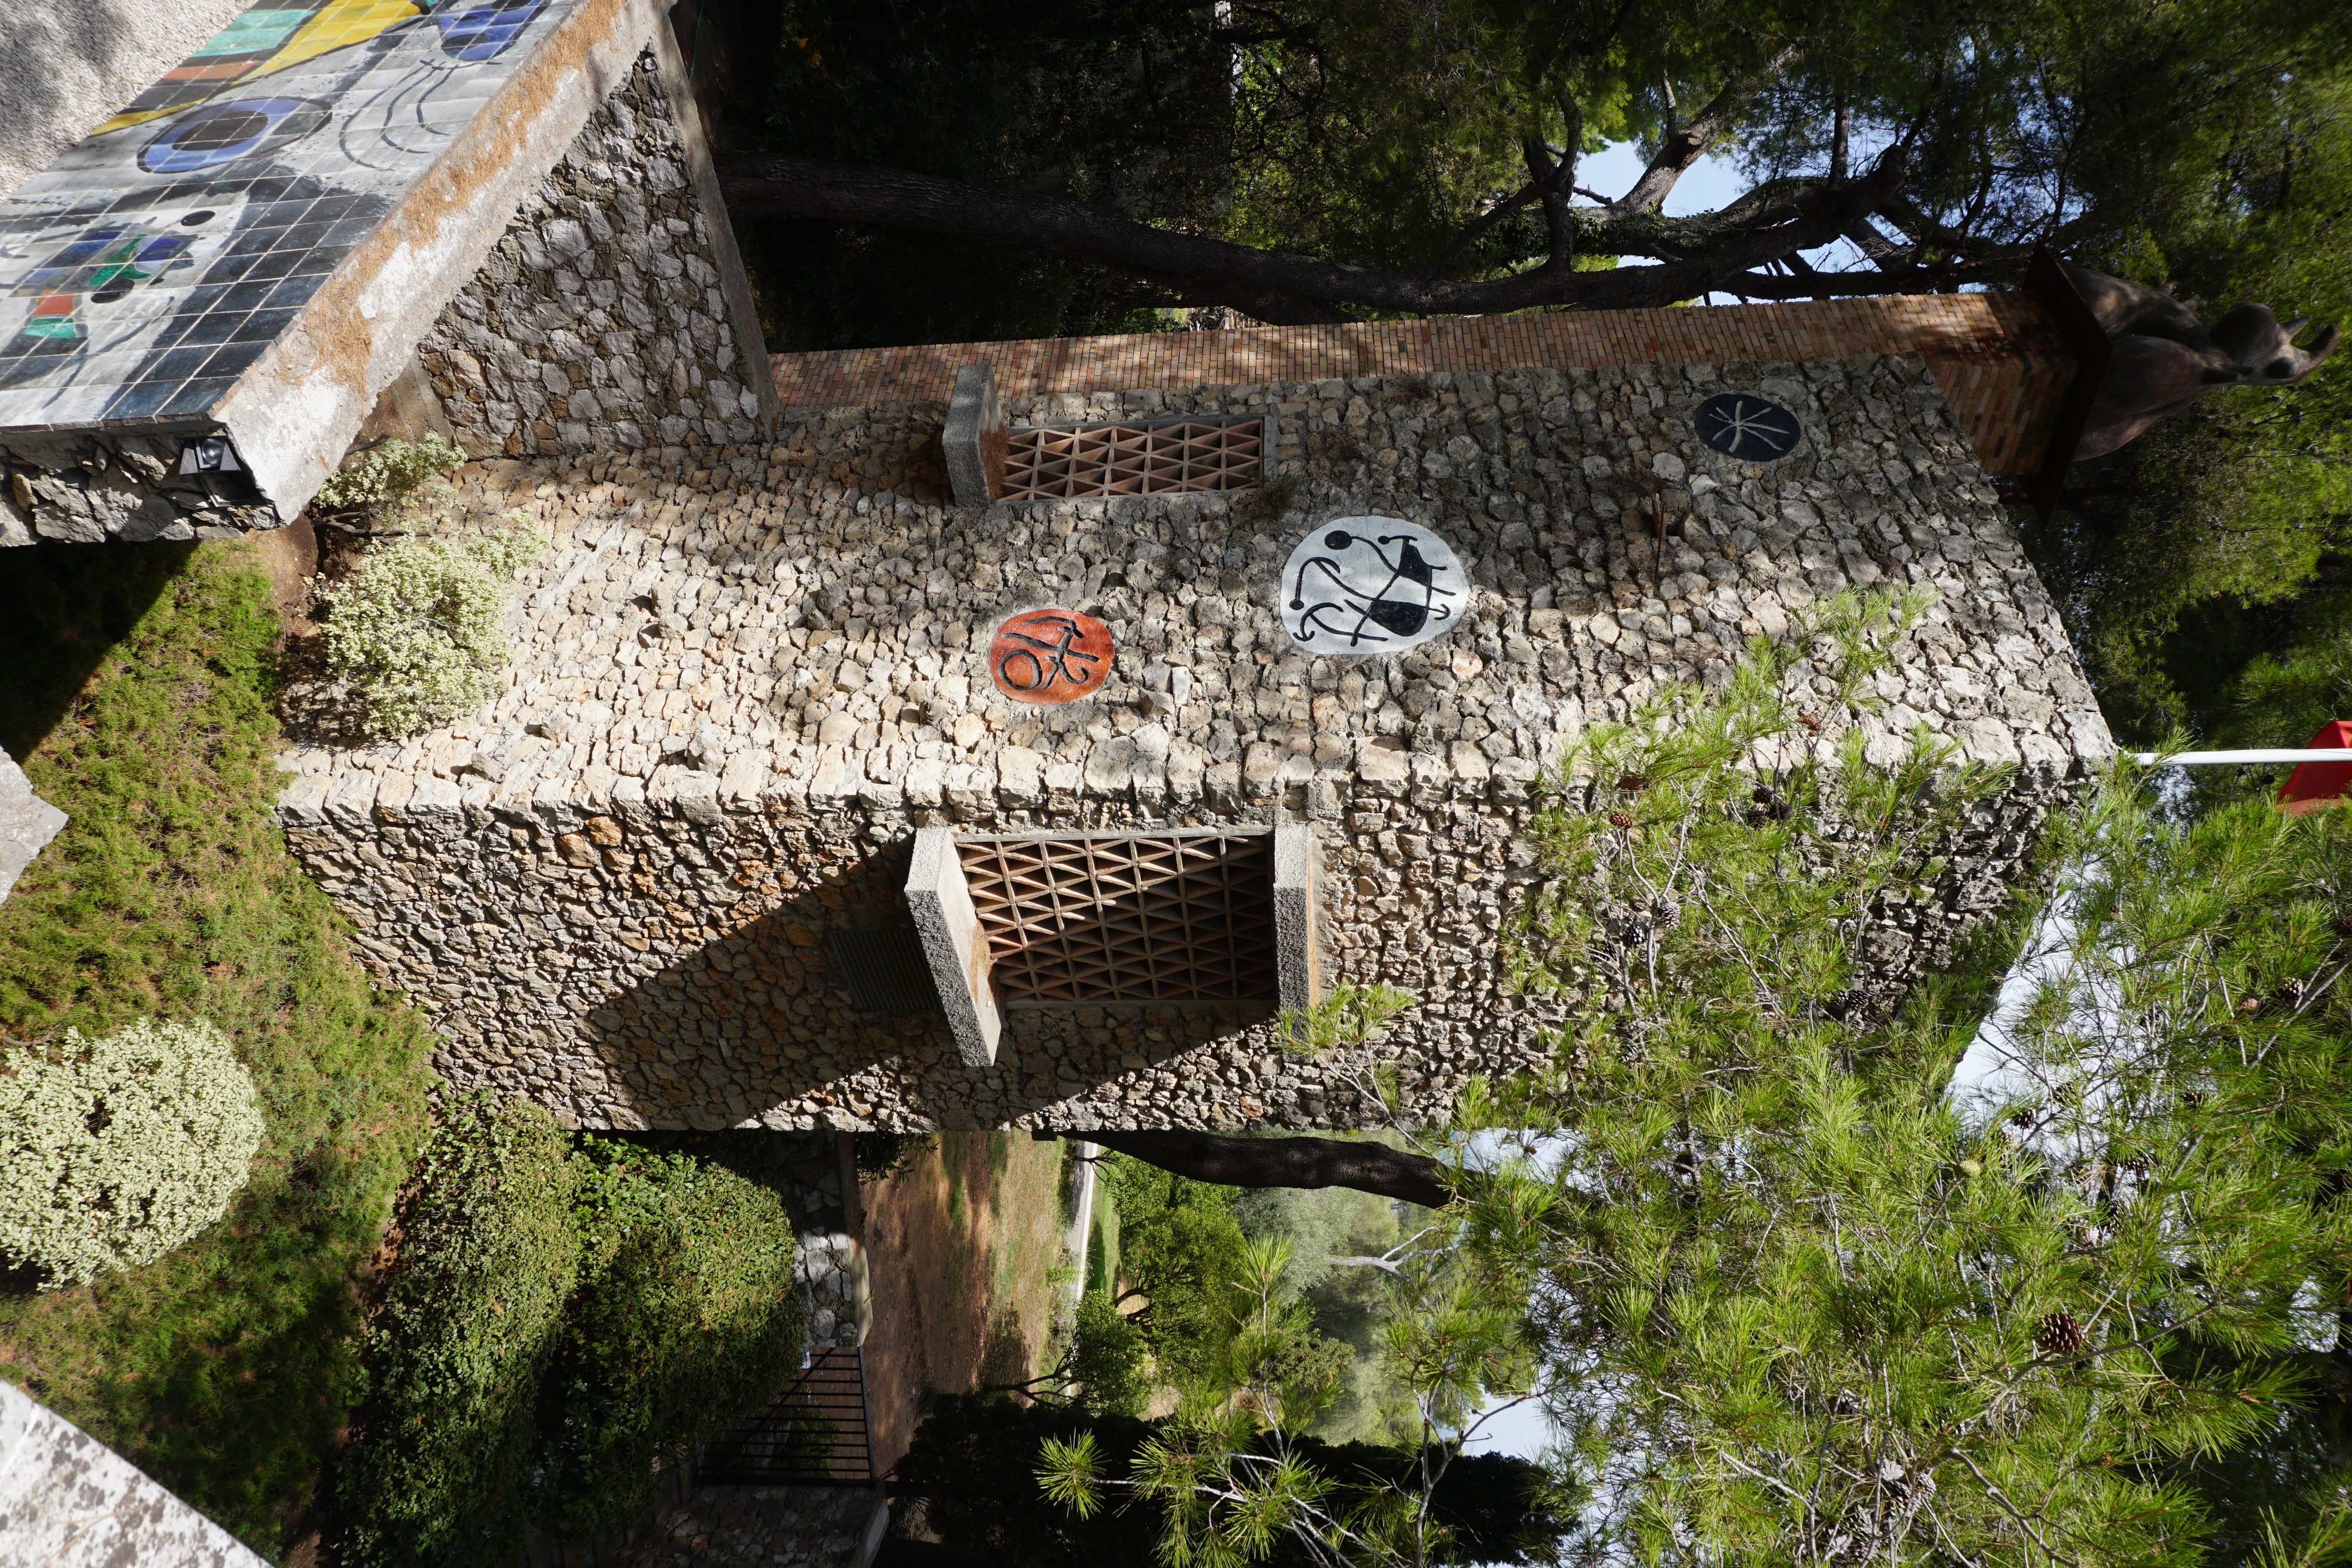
1559,226
1480,225
1275,286
1284,1162
1685,144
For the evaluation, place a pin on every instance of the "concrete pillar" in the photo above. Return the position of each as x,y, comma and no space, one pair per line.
954,945
975,439
1297,916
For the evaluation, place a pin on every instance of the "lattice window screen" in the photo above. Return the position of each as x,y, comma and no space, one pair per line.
1044,463
1176,918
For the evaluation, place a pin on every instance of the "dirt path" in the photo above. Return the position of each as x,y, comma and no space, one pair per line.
961,1247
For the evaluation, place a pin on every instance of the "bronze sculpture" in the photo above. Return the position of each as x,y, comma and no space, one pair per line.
2165,359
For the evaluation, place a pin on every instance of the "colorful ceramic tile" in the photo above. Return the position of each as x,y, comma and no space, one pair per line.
1370,585
156,259
1050,655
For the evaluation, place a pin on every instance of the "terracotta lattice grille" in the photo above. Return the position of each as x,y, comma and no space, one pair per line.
1185,917
1045,462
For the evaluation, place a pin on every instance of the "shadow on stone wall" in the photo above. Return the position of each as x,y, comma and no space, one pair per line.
761,1023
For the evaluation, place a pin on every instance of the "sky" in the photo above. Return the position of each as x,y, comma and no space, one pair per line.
1710,182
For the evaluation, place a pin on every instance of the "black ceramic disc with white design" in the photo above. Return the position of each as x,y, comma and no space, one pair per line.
1748,427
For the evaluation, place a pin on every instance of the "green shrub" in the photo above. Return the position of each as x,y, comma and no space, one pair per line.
114,1151
568,1314
1111,1365
390,472
490,1253
416,629
687,1319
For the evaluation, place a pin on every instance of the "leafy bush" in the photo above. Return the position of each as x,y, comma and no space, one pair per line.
687,1319
569,1312
416,629
114,1151
489,1254
390,472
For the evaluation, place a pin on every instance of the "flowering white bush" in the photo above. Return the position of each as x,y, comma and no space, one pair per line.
114,1151
389,471
416,629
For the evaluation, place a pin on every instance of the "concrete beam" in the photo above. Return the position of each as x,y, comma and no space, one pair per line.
68,1500
28,823
1297,916
954,945
975,439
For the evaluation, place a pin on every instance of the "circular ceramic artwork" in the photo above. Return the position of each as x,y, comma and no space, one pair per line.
1370,585
1050,655
222,133
1742,426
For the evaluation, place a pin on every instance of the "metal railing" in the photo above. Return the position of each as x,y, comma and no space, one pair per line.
815,1433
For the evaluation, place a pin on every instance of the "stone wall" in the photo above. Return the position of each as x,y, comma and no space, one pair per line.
836,1294
89,487
600,320
739,687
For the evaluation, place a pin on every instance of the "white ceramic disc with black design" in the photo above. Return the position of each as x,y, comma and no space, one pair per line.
1748,427
1370,585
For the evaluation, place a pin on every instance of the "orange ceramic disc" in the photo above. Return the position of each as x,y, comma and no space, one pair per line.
1050,655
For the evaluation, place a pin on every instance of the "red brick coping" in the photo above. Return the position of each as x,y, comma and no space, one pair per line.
1997,356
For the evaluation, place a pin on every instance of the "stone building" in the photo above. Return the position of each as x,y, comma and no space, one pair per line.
337,220
975,735
765,831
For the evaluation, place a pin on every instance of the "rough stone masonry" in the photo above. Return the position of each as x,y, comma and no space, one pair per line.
744,679
600,321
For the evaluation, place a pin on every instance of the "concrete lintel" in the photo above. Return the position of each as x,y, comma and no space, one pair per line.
974,440
954,945
28,823
1298,914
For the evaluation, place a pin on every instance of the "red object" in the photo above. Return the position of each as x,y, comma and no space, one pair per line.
2313,786
1050,655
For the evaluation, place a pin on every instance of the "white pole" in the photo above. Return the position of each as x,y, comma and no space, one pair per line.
2202,758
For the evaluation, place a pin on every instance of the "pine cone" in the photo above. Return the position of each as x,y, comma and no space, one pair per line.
2059,1335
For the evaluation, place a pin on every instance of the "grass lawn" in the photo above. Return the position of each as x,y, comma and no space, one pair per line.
1102,1242
963,1244
136,697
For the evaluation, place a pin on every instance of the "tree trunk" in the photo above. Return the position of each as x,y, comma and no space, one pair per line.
1284,1162
1702,253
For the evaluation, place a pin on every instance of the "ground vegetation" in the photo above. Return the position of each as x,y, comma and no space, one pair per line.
567,1317
138,698
115,1150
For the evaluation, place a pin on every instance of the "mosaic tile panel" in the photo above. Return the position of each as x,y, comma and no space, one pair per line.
147,268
